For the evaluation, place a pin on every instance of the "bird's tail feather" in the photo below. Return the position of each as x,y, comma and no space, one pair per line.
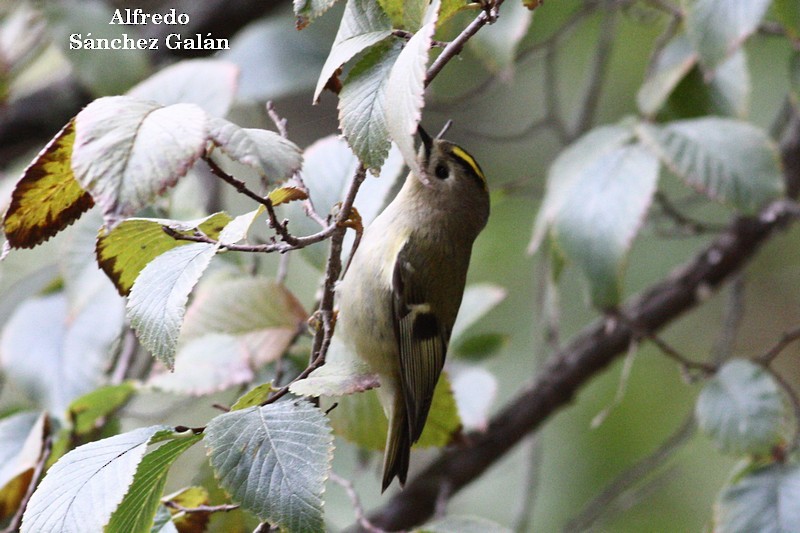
398,447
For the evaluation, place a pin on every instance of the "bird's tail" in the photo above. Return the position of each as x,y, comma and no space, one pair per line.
398,445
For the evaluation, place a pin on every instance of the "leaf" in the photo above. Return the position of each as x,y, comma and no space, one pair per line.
270,155
126,152
124,251
717,28
74,346
496,46
728,160
274,461
291,66
359,418
47,198
307,10
284,195
405,14
157,301
242,305
567,169
462,524
343,373
794,79
474,390
88,412
599,220
82,490
136,512
788,14
741,409
763,500
209,364
479,347
671,65
232,326
103,71
208,83
362,104
255,396
190,498
406,87
479,299
363,24
236,230
21,442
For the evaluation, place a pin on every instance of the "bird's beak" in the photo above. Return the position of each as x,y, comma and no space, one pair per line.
427,142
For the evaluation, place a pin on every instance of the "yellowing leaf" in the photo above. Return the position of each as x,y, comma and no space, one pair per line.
284,195
47,199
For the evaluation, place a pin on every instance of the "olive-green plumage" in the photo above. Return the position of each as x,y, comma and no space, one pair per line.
401,294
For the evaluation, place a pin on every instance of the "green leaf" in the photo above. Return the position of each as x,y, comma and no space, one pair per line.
190,498
21,441
728,160
124,251
104,72
284,195
671,65
136,512
362,105
47,198
741,409
479,347
307,10
73,349
599,220
405,14
462,524
208,83
567,170
157,301
126,152
274,461
363,24
496,46
82,490
788,14
272,157
255,396
359,418
717,28
479,299
406,87
763,500
88,412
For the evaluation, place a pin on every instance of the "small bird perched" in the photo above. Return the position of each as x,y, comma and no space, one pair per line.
400,296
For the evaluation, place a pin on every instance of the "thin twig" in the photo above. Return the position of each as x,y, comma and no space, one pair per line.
241,187
280,123
403,34
123,363
793,399
786,339
734,312
361,516
487,16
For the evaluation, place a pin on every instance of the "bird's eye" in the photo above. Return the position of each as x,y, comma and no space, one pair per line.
442,172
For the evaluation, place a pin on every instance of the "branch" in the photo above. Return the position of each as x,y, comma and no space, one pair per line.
587,355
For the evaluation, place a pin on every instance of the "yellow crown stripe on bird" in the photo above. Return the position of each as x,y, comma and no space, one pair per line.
461,154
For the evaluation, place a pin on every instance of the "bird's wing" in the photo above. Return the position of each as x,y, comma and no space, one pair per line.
422,339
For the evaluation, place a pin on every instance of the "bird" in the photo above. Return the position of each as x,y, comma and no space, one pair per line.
400,295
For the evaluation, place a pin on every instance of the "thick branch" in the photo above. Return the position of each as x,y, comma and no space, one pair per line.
572,367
